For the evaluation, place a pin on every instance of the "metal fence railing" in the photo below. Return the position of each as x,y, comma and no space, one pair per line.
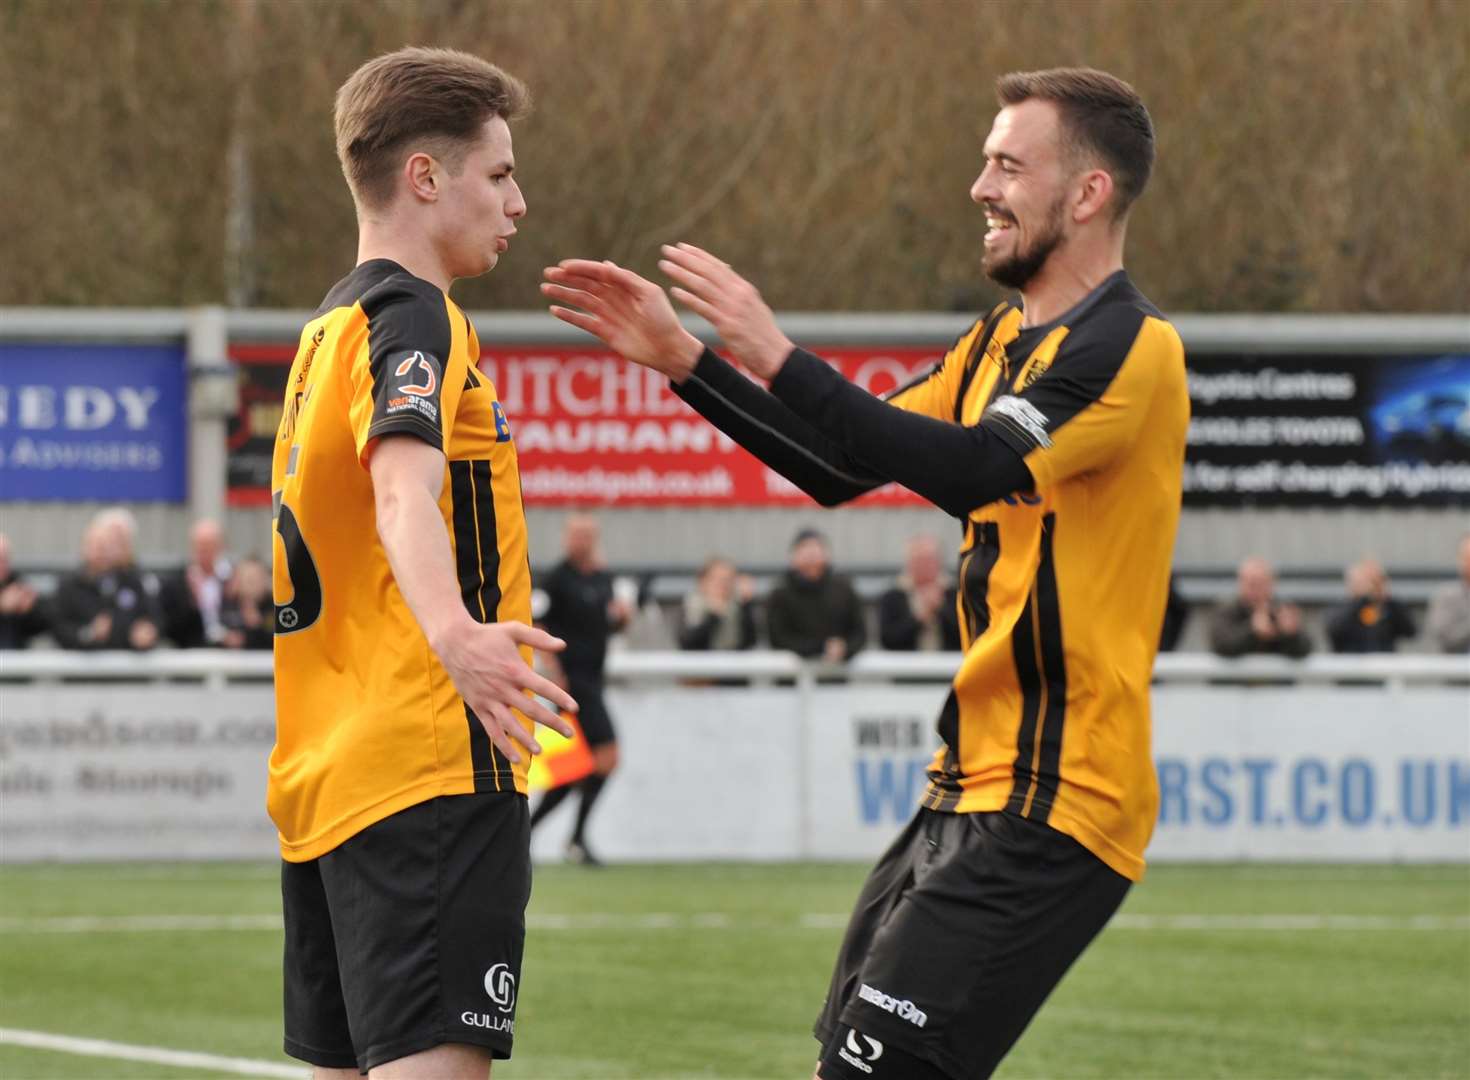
651,668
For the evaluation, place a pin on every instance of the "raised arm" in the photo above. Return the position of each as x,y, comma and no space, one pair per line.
957,468
634,317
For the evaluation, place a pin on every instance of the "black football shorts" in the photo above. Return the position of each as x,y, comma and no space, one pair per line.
592,715
408,935
961,931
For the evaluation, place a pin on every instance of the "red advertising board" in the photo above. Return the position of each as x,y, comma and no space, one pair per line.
590,428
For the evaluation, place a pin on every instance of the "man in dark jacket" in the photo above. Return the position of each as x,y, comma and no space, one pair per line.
109,603
1255,621
22,613
918,614
1371,621
814,612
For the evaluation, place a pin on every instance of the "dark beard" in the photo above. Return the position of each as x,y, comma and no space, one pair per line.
1018,270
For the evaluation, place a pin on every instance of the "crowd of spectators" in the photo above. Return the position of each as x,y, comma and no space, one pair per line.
219,600
110,602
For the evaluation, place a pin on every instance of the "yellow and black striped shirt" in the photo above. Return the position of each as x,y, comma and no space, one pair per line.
367,719
1060,448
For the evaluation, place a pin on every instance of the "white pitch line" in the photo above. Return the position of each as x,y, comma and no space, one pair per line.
152,1055
719,920
1291,922
138,924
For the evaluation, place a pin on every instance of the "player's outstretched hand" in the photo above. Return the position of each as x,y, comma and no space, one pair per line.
708,287
630,313
491,675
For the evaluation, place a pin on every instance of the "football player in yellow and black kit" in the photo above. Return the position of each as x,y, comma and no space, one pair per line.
1054,432
403,604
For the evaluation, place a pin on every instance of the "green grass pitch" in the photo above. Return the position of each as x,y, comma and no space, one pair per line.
658,972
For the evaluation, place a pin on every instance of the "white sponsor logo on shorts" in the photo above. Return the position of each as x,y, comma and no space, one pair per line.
488,1022
899,1007
500,984
858,1057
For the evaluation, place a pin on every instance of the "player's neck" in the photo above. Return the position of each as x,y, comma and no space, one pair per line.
1069,275
409,248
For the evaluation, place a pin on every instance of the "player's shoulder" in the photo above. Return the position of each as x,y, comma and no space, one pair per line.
991,321
381,287
1119,316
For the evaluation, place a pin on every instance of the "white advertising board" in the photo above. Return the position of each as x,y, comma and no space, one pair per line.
134,772
765,773
1345,774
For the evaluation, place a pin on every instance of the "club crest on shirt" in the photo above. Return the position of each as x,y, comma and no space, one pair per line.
1032,373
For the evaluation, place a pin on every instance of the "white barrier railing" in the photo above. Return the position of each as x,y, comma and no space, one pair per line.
636,668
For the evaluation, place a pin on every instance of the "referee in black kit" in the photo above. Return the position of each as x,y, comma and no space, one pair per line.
584,612
1054,432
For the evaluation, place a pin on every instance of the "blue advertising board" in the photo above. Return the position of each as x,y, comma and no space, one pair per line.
82,422
1328,431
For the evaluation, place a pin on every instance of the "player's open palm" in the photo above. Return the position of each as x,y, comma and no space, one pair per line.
708,287
494,679
630,313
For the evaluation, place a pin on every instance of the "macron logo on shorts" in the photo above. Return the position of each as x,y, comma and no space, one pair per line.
899,1007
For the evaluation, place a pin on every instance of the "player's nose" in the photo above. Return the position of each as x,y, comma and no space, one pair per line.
983,189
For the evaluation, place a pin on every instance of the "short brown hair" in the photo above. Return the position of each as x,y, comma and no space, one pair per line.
1102,116
435,99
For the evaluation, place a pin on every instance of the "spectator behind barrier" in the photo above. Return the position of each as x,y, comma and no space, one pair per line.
246,611
1449,609
1255,621
108,603
193,598
719,612
814,612
22,613
919,614
1371,621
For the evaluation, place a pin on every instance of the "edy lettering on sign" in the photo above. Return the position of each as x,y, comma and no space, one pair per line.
75,408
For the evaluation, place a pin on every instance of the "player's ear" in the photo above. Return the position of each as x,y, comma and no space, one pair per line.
422,175
1092,195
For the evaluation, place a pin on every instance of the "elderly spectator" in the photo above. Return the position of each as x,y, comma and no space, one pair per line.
814,612
1371,621
1255,621
246,611
108,603
22,614
1449,609
719,613
919,614
194,598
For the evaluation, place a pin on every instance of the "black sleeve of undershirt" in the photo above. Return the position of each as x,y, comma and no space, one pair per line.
774,434
956,468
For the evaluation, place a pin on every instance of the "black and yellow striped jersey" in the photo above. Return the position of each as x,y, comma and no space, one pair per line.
367,719
1060,448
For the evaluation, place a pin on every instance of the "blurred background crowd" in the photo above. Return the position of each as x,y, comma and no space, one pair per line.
222,599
